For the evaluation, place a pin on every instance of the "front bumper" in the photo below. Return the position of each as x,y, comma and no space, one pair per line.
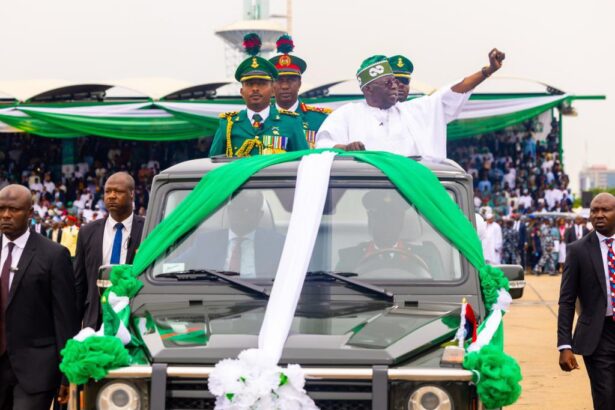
377,387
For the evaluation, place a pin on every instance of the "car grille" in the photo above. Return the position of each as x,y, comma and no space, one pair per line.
188,394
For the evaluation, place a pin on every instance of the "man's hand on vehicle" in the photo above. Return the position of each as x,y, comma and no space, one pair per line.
353,146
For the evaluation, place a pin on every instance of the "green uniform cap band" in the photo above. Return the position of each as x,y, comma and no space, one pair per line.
256,68
373,71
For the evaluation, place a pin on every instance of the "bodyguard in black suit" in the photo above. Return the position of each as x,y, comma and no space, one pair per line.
576,231
587,277
104,241
243,248
259,257
37,316
39,226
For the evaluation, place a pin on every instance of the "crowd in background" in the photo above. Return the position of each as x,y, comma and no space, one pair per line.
514,172
517,177
66,197
521,190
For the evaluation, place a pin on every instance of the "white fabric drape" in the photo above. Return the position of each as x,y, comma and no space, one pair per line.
310,194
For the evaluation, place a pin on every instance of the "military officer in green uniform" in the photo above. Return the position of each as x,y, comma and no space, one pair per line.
402,70
286,88
261,128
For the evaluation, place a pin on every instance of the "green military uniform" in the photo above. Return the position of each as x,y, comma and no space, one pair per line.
312,118
286,64
281,131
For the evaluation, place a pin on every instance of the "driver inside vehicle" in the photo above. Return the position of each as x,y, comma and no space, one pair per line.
244,246
386,212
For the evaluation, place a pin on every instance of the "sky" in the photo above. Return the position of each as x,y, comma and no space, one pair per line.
568,44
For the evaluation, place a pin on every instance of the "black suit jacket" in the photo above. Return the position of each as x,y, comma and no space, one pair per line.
583,278
210,250
88,258
571,234
42,232
40,315
50,234
522,236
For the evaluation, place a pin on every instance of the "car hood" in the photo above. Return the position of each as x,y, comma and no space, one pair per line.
345,332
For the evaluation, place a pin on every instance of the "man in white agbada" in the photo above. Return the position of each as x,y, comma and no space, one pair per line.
380,123
492,241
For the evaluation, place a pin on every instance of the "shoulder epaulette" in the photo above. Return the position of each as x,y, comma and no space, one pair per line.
286,112
316,109
228,114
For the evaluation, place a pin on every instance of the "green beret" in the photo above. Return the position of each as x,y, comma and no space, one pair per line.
402,66
372,68
256,67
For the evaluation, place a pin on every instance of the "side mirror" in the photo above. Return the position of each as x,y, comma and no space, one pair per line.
104,278
516,279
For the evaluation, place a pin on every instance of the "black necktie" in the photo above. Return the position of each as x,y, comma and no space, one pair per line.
4,295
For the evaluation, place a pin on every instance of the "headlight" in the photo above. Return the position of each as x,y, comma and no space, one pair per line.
118,396
430,398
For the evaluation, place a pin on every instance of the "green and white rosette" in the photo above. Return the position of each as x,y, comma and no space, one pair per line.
91,354
496,374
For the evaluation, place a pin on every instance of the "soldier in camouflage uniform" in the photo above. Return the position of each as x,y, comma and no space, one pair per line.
510,244
548,260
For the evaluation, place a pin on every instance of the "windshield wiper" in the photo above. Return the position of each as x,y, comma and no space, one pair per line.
200,274
345,278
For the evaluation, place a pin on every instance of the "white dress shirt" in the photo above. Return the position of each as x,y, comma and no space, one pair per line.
579,231
264,114
604,251
109,236
415,127
292,108
248,267
20,244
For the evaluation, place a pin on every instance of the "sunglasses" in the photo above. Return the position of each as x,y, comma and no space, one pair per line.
403,80
390,82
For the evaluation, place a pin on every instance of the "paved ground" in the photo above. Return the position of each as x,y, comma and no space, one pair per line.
531,337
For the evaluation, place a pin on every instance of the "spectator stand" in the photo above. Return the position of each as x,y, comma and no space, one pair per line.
143,132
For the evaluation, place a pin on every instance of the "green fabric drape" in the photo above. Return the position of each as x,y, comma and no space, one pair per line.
460,129
209,125
131,128
38,127
416,183
184,125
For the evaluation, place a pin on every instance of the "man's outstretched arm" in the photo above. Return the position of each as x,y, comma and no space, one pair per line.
469,83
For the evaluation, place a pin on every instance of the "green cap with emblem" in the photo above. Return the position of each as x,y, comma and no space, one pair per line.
254,67
401,65
372,68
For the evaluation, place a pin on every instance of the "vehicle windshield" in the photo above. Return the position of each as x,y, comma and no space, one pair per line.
370,234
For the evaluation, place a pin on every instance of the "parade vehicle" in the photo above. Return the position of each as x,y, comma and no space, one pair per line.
381,298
